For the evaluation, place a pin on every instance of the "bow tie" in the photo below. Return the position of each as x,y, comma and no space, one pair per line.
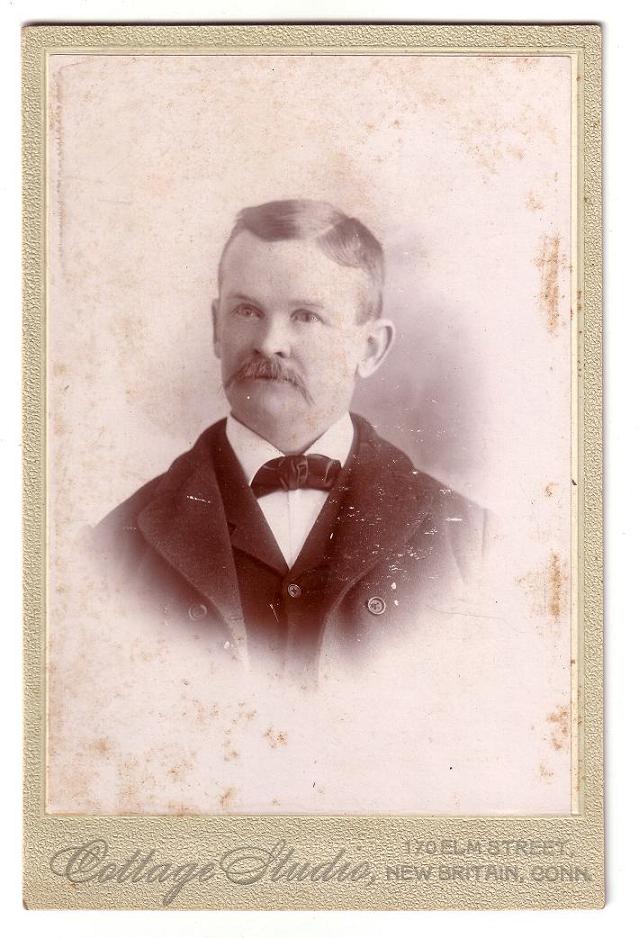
296,472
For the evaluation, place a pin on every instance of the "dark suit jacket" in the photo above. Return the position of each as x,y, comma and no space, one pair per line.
390,544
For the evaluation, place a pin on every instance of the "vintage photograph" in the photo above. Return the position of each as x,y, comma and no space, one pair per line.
311,332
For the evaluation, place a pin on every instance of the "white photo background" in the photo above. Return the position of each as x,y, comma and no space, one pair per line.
461,165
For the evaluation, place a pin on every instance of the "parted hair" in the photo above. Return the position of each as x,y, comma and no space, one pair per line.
345,240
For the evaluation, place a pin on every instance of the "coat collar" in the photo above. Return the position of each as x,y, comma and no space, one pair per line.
252,450
384,499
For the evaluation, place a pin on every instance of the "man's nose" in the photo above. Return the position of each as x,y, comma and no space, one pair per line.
274,338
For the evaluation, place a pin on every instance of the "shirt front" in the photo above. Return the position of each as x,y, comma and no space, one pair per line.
289,514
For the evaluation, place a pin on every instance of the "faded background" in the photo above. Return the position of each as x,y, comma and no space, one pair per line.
461,166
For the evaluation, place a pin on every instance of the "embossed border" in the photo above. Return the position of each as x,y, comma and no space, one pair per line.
374,840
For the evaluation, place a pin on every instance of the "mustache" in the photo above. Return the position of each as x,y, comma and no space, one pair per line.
270,369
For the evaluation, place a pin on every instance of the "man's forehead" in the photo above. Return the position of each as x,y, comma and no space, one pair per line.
294,263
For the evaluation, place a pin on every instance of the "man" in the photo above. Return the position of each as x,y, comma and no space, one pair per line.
291,530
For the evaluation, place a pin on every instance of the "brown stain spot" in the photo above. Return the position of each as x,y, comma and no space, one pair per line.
545,772
559,720
275,738
549,490
549,262
230,753
557,580
129,800
179,807
548,588
101,746
534,204
226,798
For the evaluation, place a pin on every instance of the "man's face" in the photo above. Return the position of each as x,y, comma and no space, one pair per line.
289,337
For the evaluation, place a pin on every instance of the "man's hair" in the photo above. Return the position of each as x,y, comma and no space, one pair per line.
345,240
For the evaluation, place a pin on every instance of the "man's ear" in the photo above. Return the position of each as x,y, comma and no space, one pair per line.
381,334
216,336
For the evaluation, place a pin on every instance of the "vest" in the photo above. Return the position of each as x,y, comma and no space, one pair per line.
284,609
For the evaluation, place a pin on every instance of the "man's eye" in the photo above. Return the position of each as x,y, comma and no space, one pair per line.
305,315
246,311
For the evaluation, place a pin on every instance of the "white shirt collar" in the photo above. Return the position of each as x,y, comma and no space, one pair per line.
253,451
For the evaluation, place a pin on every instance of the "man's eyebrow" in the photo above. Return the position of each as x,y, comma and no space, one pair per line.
295,304
244,298
307,304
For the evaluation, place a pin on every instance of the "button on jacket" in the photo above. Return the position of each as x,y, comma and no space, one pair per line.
389,545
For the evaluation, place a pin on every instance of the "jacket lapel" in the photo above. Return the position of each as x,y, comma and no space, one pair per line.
384,501
185,523
248,528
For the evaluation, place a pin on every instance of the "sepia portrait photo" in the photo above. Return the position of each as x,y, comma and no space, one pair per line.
311,446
